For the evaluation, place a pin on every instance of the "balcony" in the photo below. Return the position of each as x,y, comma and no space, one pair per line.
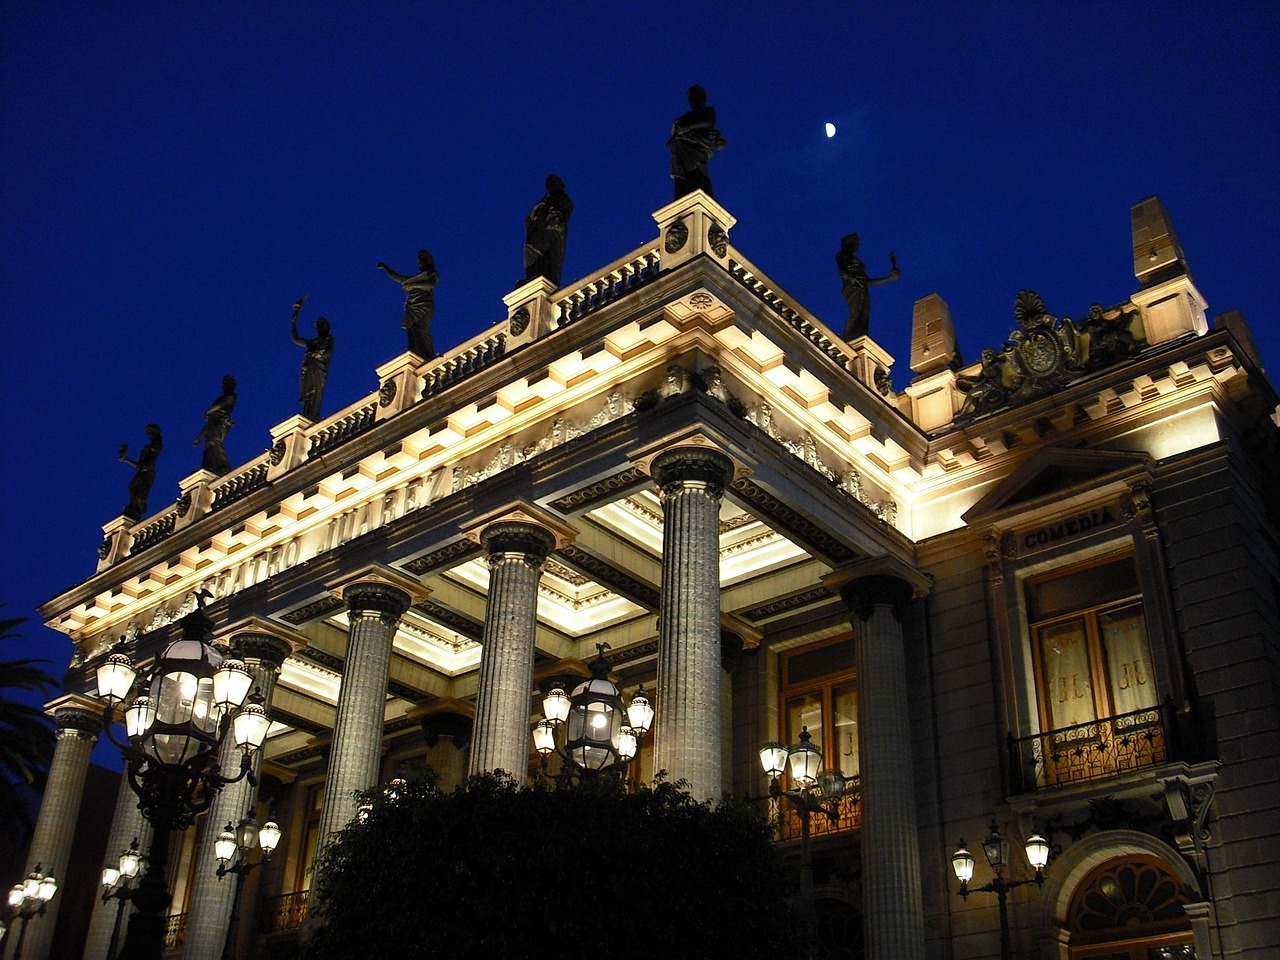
175,933
282,914
786,819
1095,750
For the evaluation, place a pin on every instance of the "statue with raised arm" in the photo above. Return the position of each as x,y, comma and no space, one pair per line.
694,138
315,362
855,286
144,472
420,302
546,229
217,424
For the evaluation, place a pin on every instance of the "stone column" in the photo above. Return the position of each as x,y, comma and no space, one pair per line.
730,649
211,899
373,609
687,726
893,913
127,824
516,553
56,825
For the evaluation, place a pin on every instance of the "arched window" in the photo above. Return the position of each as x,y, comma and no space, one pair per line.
1131,908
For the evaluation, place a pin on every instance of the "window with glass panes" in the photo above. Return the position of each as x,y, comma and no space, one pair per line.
1089,643
820,691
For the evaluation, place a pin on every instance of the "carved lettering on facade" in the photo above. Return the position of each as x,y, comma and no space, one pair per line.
1066,529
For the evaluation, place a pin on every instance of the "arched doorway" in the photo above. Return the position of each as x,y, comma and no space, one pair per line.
839,930
1130,908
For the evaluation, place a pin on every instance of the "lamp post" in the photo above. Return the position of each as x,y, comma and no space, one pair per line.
175,731
117,884
816,791
600,733
996,849
239,845
29,899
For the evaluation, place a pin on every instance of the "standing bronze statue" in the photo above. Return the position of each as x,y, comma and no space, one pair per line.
144,472
694,138
217,424
315,362
855,284
546,229
420,302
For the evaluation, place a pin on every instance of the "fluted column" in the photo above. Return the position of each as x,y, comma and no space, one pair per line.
56,824
893,914
687,733
373,610
516,553
127,824
211,899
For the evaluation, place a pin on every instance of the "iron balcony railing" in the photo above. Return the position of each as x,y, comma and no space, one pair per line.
785,818
282,914
1094,750
175,932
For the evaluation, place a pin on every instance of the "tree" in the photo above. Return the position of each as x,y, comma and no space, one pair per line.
493,870
26,737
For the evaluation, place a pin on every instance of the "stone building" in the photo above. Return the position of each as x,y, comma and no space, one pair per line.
1040,590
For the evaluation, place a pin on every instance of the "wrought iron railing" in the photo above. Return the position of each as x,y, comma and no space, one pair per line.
175,931
282,914
785,817
1092,751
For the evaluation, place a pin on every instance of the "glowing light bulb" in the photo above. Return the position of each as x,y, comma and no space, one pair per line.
598,721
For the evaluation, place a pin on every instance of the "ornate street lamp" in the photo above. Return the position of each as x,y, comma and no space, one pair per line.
600,732
996,849
117,884
175,731
817,791
239,845
29,899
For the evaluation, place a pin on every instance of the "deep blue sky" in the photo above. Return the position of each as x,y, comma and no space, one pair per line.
176,174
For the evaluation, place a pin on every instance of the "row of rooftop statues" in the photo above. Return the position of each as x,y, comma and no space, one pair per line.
694,141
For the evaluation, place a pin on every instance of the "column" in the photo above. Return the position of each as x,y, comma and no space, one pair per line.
373,610
126,825
893,914
56,825
516,553
212,898
687,726
730,649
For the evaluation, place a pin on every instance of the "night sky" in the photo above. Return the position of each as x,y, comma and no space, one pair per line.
175,175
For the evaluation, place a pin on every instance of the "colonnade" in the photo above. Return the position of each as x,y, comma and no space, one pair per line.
690,728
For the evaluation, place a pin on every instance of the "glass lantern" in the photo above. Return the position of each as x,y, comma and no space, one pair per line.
269,837
805,760
595,720
962,863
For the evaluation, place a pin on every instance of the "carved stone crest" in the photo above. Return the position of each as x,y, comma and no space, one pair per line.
677,236
1044,354
700,300
277,453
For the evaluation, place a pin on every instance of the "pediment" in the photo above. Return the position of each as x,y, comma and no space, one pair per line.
1056,475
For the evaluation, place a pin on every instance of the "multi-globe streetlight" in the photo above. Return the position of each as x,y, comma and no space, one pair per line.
175,730
237,846
996,849
117,884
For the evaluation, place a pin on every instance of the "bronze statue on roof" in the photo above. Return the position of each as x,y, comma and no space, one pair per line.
315,362
694,138
419,304
144,472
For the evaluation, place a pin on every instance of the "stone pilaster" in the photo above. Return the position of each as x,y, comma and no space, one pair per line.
516,554
211,899
127,825
687,728
730,649
448,734
56,825
893,914
373,609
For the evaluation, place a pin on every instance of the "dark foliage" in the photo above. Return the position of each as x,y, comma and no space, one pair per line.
26,737
492,870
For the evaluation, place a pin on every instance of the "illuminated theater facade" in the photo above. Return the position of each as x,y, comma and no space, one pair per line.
1040,589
